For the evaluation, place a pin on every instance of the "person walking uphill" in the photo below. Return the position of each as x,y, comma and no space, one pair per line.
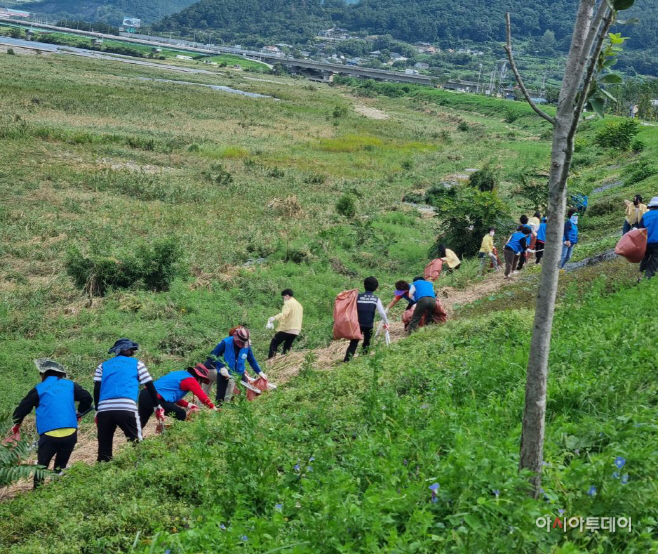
367,304
57,421
649,222
423,294
290,324
116,390
541,241
448,257
515,247
486,253
171,390
231,356
570,238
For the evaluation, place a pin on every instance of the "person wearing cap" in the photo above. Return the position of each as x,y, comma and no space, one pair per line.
634,212
290,324
422,293
231,356
116,391
57,420
649,222
401,292
171,390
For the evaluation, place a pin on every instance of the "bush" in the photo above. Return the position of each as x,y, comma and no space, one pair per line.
605,206
463,127
640,171
618,134
346,206
637,146
484,180
11,52
413,198
436,194
151,267
339,111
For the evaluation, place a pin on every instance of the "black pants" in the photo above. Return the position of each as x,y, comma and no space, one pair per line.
425,305
650,262
59,447
281,337
108,422
351,349
539,251
146,408
522,261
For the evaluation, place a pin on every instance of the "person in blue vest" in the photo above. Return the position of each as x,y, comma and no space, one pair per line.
366,305
116,390
171,390
231,356
570,238
422,293
524,220
541,240
515,247
57,420
649,222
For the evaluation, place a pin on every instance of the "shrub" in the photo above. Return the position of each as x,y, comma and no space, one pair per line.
436,194
618,134
339,111
512,114
605,206
12,456
484,180
413,198
463,127
151,267
11,52
407,165
637,146
346,206
640,171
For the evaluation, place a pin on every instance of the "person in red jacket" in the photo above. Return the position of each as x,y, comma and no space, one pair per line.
171,390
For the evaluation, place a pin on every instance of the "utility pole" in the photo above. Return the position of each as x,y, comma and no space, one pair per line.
477,90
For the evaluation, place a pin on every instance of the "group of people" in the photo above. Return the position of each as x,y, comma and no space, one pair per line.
641,216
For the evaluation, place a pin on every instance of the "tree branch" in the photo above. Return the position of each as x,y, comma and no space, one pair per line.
519,80
607,15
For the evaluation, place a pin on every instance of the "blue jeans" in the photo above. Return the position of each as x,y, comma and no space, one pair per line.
566,254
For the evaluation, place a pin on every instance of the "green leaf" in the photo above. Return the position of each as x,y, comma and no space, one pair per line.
597,105
622,4
611,79
610,63
606,93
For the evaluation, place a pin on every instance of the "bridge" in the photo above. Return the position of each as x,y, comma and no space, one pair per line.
313,69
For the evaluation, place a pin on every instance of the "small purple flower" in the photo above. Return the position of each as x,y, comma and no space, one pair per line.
424,407
592,491
624,479
496,493
544,463
616,475
311,459
560,511
222,527
244,538
278,507
405,462
576,451
296,468
309,469
620,462
434,487
167,551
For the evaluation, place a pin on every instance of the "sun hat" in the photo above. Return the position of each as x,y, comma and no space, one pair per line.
46,364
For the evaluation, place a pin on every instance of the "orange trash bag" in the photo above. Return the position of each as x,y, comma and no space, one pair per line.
633,245
438,316
346,317
433,270
260,384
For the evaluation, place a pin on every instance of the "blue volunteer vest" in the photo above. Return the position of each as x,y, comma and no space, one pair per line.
423,288
120,379
237,366
366,305
168,386
650,220
515,242
571,234
56,409
541,233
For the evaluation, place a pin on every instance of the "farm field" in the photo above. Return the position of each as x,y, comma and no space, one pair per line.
103,160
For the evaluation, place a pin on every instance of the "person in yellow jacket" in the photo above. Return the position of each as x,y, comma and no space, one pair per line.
449,258
486,253
634,212
290,324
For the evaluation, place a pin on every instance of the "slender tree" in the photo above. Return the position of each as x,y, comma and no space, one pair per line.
586,59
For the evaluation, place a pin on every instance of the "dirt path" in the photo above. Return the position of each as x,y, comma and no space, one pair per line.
280,370
369,111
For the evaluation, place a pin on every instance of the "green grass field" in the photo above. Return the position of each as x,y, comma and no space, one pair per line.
97,155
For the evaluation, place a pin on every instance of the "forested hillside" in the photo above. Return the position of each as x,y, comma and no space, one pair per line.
441,21
111,11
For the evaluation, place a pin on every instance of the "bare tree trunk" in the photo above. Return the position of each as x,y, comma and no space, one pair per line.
532,438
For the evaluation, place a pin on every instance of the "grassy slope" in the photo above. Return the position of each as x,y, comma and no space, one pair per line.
93,157
444,406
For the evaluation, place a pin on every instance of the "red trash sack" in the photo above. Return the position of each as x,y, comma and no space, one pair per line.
495,253
261,385
433,270
346,317
633,245
439,315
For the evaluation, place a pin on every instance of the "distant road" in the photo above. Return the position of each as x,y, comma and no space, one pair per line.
308,65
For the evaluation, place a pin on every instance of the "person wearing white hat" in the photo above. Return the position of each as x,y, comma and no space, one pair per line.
649,221
57,420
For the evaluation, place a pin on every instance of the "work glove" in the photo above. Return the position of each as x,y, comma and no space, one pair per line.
192,407
15,435
159,414
262,375
224,372
269,325
386,326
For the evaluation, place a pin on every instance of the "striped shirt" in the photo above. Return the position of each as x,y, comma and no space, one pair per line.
127,404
